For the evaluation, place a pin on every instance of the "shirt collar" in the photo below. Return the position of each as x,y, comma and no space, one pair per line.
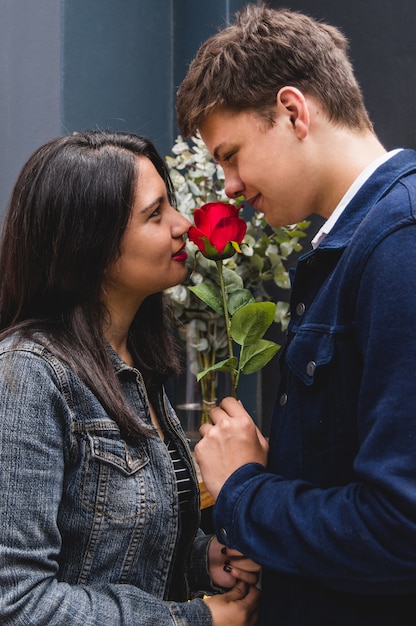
346,199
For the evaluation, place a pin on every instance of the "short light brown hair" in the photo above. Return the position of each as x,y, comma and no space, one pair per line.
243,66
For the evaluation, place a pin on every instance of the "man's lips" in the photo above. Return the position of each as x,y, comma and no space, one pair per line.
181,255
252,201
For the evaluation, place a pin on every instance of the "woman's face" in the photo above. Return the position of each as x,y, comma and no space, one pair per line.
152,249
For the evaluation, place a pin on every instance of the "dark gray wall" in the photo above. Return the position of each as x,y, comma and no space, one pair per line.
67,65
195,21
118,66
30,66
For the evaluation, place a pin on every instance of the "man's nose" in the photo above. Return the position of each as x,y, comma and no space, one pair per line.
233,187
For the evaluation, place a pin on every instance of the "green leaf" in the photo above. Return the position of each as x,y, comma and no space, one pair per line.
232,280
249,323
237,299
258,261
257,355
228,365
282,311
276,262
209,294
282,280
302,225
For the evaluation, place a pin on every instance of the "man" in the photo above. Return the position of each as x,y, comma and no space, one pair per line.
331,515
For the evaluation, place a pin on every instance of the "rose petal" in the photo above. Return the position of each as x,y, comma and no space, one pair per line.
203,222
219,210
207,216
196,236
227,230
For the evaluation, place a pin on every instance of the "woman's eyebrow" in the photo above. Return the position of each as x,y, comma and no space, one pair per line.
150,207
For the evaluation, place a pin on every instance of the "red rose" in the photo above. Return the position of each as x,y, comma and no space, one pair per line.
218,230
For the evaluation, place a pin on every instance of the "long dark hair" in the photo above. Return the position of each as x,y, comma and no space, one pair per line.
64,225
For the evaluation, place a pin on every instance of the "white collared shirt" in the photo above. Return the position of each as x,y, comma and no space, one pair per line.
346,199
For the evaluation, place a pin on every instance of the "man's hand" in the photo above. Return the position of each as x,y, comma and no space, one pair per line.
237,607
232,440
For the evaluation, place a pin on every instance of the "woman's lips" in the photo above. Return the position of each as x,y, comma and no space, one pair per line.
181,255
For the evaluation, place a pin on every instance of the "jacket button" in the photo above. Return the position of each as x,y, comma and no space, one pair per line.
300,309
310,368
283,399
223,535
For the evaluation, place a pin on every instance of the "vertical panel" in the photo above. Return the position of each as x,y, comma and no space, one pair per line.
118,67
29,83
194,22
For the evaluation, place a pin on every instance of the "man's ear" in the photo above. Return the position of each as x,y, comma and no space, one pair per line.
292,103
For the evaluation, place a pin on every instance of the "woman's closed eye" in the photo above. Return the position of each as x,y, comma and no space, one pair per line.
156,213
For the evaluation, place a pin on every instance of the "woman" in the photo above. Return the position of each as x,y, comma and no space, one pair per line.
94,529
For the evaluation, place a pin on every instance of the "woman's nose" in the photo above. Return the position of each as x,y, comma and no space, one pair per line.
181,224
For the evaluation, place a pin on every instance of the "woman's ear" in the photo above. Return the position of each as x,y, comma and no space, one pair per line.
292,103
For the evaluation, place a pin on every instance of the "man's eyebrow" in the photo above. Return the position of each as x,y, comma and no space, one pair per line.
217,150
221,151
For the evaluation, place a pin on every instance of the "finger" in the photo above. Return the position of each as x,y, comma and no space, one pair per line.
243,564
231,552
262,438
238,592
216,414
232,406
204,428
250,578
251,601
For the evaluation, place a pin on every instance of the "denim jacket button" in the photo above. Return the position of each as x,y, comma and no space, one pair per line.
223,535
300,309
283,399
310,368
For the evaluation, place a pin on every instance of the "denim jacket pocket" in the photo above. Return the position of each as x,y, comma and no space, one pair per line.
308,352
113,478
116,452
325,375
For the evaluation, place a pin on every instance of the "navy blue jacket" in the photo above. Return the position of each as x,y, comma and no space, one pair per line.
333,517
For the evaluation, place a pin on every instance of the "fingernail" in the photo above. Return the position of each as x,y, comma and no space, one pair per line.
224,550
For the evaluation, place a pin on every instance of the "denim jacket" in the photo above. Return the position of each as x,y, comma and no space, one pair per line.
333,517
89,525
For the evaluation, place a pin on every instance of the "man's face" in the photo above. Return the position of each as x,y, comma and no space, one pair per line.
265,163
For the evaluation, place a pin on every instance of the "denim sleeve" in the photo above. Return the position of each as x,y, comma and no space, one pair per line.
359,537
34,439
198,575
